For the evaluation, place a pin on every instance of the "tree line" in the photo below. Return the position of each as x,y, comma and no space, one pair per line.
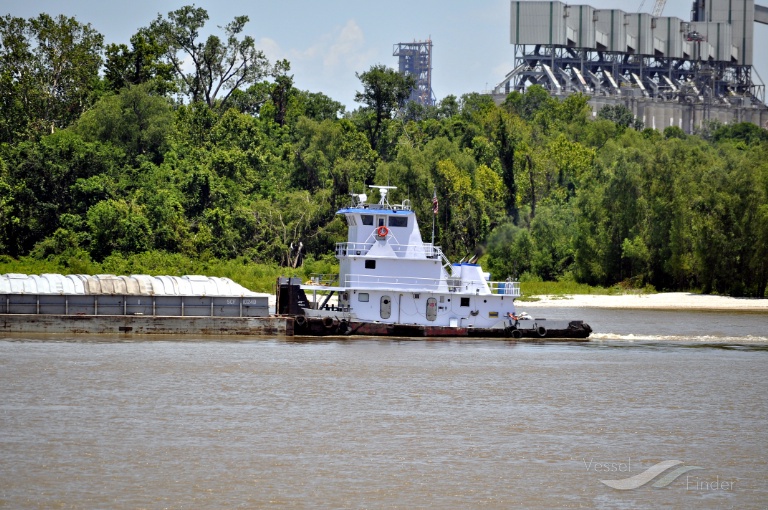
113,151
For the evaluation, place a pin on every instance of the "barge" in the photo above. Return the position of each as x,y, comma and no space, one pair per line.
135,304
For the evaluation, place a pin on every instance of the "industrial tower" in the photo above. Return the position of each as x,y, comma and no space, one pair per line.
415,59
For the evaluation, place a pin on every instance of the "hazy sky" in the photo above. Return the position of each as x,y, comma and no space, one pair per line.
328,41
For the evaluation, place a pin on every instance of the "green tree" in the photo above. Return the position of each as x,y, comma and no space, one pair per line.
68,59
674,132
474,105
317,106
136,120
48,71
43,176
142,63
535,101
510,251
744,131
117,226
218,66
19,94
448,107
384,92
621,116
333,156
281,94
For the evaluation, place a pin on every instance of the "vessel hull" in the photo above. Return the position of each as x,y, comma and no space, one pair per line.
313,326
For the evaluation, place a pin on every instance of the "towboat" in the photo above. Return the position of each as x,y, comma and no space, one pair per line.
392,283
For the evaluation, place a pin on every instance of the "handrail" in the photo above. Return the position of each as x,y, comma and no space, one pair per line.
413,283
505,288
401,250
324,279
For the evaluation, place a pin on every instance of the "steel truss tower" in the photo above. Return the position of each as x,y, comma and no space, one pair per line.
415,59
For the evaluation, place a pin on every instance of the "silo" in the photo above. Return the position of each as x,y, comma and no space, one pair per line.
639,35
668,34
580,26
537,23
611,31
740,14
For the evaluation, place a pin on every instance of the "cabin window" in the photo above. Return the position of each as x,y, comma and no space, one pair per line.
371,264
398,221
381,221
363,297
367,219
465,301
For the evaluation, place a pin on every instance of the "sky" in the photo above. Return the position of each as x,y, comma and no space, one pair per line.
328,41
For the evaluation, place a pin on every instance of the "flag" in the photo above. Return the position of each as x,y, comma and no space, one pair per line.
434,203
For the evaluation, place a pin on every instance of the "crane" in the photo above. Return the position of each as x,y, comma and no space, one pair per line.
657,7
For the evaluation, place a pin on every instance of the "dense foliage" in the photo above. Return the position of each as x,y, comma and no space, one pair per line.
116,159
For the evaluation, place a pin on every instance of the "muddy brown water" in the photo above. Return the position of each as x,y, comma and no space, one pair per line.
171,422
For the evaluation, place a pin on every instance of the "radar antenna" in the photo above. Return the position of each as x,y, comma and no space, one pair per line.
383,190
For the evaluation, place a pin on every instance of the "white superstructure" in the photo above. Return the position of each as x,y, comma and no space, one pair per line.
388,274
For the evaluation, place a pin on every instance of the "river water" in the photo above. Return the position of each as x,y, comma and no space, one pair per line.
125,422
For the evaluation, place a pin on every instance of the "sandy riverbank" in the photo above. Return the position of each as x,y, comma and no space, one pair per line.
661,301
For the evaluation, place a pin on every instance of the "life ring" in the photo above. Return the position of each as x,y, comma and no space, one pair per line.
382,231
542,331
300,320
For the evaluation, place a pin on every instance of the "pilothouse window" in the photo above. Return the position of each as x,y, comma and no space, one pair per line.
367,219
398,221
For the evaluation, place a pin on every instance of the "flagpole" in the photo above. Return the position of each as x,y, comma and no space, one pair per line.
433,230
434,213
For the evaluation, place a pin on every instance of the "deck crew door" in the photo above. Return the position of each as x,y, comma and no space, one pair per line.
386,307
431,309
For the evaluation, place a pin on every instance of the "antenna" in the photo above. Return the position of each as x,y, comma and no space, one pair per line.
383,190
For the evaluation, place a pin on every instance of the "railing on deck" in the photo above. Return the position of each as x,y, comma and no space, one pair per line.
396,282
401,250
505,288
413,284
325,280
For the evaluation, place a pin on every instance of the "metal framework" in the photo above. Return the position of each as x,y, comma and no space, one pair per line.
564,70
415,59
